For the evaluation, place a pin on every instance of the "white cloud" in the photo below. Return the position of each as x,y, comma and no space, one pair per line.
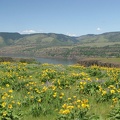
98,29
71,34
28,32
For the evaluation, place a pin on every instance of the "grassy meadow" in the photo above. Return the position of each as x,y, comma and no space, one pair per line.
57,92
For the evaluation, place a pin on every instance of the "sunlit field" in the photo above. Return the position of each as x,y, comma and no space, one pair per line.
57,92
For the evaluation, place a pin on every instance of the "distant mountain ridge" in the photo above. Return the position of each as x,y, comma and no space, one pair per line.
57,45
16,38
7,38
8,35
104,37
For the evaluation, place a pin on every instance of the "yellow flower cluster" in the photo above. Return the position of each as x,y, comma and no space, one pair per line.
74,105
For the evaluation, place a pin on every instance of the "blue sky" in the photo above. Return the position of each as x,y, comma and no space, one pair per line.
71,17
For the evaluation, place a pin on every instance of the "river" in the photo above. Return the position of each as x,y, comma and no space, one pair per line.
46,60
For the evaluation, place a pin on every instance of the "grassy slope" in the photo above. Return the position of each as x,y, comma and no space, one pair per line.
33,72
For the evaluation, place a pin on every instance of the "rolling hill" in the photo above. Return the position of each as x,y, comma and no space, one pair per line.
60,45
39,38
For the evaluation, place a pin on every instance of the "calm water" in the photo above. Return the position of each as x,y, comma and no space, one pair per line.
55,61
47,60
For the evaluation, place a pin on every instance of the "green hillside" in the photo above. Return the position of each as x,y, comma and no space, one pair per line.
47,40
52,39
9,38
60,45
105,37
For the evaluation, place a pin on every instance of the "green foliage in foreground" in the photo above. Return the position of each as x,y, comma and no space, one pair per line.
57,92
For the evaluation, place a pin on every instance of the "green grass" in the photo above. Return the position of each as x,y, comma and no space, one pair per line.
33,82
48,117
102,109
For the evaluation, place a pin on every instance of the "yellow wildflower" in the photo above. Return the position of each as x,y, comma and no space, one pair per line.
112,91
10,106
104,92
78,101
13,102
55,94
60,97
67,111
4,113
3,97
70,107
64,106
39,100
18,103
3,104
74,96
78,106
10,91
84,105
7,85
69,98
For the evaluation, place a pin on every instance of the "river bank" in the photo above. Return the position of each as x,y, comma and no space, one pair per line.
106,62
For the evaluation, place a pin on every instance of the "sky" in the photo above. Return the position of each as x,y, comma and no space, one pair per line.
70,17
